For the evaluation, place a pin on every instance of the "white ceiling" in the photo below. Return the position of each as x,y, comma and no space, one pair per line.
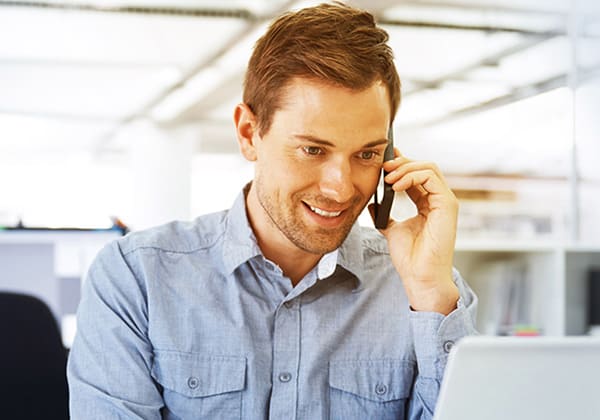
74,73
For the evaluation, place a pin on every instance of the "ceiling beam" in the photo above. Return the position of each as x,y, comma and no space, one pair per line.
584,75
498,6
517,94
240,13
489,60
195,112
464,27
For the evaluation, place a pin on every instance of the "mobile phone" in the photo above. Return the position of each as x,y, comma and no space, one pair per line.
382,210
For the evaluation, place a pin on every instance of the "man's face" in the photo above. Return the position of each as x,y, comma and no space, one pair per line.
319,163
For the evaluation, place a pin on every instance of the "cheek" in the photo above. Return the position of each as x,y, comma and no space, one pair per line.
282,172
366,181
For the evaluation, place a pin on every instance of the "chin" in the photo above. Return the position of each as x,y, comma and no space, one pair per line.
323,242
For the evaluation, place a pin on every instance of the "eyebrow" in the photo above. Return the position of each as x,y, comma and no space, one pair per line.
317,140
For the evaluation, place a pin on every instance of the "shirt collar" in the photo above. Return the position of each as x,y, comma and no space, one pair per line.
240,244
350,256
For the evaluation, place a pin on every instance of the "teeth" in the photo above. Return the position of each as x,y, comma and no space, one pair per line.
324,213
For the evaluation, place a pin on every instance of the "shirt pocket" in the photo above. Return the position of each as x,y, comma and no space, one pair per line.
199,386
369,389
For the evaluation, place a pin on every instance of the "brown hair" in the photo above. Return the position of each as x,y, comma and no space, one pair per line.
333,43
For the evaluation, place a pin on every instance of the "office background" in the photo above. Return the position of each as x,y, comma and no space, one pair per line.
124,108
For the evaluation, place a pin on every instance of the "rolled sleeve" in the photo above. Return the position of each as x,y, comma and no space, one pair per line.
434,334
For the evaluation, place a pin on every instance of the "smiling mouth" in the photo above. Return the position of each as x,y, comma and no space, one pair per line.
325,213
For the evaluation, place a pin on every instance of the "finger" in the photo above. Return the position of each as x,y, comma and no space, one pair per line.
402,168
417,193
390,165
427,179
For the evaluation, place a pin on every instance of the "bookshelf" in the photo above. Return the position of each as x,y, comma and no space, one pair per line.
537,284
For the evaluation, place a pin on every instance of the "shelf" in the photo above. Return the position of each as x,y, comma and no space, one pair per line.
56,235
506,245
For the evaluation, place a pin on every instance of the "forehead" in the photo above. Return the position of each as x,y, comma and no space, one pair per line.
314,105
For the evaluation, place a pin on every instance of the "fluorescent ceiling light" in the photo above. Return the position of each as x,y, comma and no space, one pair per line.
46,35
420,108
81,91
532,136
539,63
436,53
186,96
233,62
453,95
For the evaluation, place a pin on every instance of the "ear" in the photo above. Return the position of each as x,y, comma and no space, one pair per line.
246,128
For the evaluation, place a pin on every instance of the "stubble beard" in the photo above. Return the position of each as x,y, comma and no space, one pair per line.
289,222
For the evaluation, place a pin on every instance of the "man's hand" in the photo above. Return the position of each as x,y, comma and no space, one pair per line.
422,247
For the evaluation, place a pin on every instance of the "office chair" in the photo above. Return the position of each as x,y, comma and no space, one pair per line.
33,383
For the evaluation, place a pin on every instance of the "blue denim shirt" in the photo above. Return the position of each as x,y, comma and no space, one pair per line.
190,321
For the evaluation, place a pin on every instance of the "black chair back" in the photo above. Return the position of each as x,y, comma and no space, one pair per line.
33,383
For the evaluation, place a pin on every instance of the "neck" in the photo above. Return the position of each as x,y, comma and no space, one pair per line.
293,267
275,246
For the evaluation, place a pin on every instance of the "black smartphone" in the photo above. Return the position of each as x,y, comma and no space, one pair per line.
382,210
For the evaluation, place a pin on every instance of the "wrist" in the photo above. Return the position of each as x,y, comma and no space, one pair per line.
441,298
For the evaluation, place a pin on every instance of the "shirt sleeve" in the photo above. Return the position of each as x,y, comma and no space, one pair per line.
111,357
434,335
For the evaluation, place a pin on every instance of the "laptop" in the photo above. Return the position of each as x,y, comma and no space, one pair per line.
521,378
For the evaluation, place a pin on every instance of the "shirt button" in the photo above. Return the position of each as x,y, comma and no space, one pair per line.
448,346
285,376
193,382
380,389
289,304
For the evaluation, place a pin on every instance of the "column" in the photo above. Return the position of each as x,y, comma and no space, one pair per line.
161,160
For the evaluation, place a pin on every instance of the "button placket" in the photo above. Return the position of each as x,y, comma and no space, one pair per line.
286,341
285,377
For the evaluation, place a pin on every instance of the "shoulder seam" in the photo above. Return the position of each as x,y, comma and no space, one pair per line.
209,244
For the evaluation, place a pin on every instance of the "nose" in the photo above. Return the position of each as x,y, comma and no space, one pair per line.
336,180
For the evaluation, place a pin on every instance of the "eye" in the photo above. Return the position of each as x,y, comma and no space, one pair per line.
367,154
312,150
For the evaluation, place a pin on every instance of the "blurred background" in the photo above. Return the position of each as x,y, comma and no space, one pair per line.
124,109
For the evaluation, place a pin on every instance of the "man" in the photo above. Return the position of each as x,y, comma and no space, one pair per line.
282,307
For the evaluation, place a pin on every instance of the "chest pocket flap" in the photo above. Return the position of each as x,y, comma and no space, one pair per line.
199,375
376,380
